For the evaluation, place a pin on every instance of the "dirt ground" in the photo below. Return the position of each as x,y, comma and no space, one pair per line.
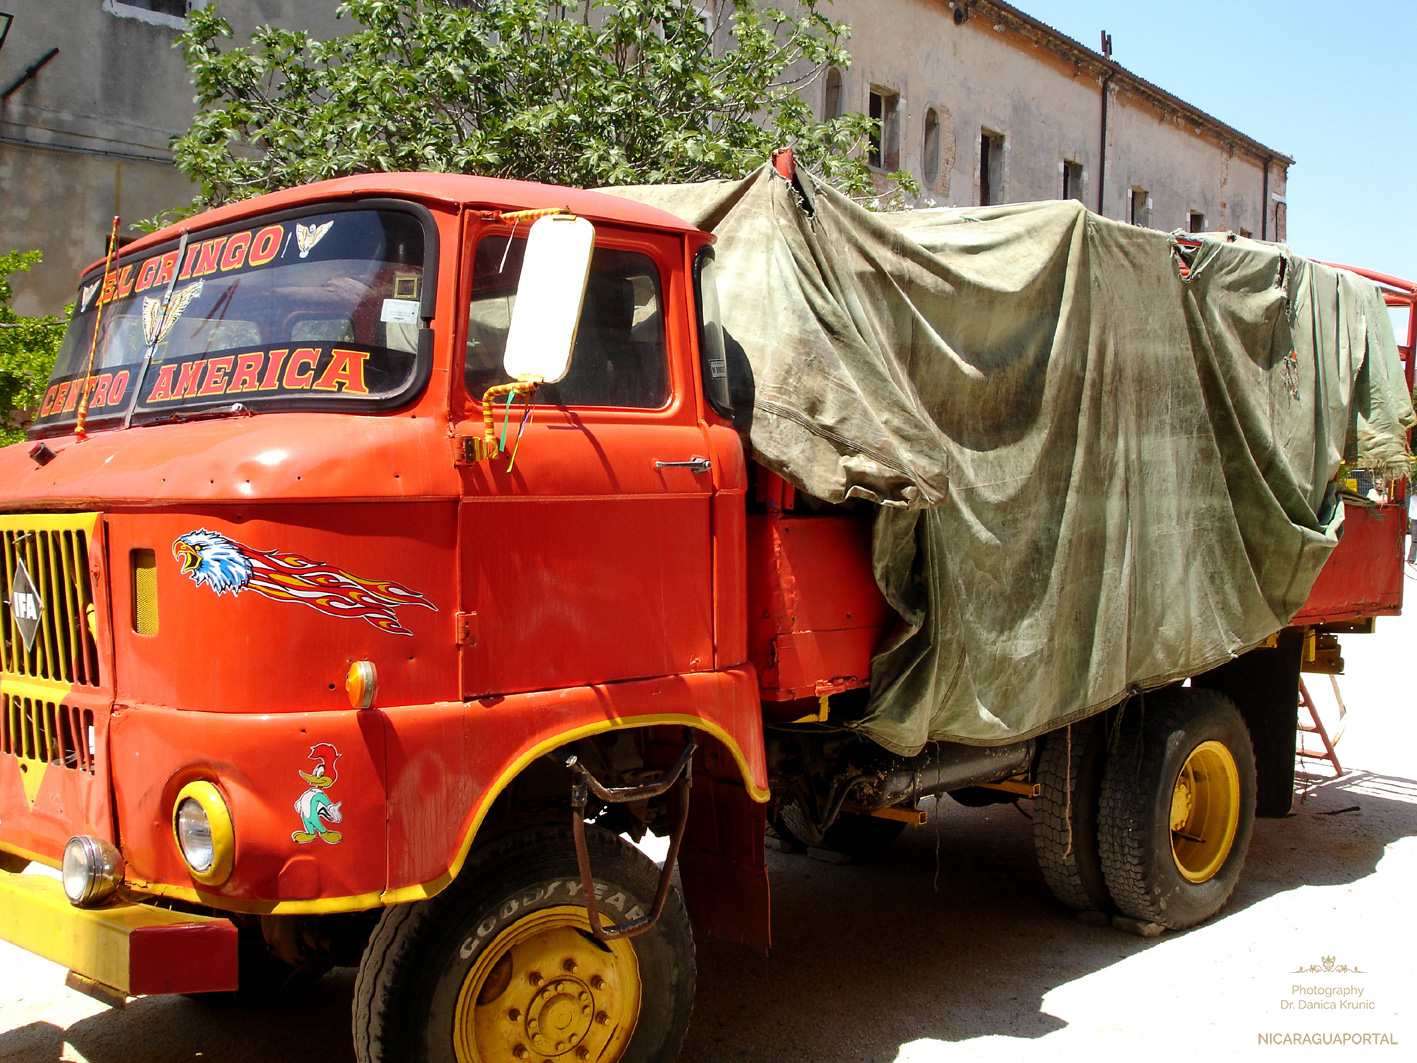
949,946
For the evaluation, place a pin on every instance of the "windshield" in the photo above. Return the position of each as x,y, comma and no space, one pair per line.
321,311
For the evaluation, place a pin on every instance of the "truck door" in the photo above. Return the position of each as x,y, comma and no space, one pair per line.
586,559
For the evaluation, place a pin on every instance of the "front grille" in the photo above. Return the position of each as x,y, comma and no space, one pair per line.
42,731
54,550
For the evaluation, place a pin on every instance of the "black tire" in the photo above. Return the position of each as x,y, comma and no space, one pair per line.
1065,815
412,975
853,834
1156,737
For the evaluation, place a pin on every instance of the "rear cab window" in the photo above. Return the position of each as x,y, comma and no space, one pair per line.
320,309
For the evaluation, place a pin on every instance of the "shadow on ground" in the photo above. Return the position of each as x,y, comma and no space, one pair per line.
949,935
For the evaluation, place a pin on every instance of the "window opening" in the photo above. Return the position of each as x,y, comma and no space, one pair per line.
991,168
1072,180
172,13
1196,221
831,96
1140,208
931,168
884,152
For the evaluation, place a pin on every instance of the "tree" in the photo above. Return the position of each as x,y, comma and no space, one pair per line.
602,92
28,346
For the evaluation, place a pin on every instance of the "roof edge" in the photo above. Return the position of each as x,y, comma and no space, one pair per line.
1104,65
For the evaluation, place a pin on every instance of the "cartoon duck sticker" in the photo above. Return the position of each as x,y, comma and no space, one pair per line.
314,805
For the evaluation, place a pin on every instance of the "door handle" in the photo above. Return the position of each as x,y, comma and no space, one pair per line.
693,464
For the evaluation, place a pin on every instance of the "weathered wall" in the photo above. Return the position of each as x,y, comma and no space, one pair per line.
86,137
986,75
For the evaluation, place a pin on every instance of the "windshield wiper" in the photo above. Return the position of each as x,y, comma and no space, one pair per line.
211,413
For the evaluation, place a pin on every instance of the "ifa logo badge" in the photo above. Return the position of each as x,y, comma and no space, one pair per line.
26,606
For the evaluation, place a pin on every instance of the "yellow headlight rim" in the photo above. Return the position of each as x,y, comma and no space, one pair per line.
223,833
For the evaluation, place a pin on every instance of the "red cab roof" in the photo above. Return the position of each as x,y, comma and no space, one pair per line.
435,189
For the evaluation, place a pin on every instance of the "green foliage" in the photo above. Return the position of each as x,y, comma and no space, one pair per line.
28,346
605,92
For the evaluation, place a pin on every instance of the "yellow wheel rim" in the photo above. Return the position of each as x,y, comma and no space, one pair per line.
544,990
1205,811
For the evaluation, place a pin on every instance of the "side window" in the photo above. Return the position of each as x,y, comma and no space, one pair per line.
620,357
712,350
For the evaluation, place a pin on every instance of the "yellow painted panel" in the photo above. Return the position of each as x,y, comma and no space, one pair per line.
36,916
83,522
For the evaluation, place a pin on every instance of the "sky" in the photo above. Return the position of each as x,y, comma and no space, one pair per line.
1332,84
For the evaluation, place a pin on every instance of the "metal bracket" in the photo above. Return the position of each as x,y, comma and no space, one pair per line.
465,625
586,784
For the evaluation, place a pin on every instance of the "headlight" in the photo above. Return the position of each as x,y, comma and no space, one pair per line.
202,826
92,871
194,835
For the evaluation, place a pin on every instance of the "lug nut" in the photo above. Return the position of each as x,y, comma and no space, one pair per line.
521,1052
514,1014
570,966
597,982
534,977
602,1018
583,1052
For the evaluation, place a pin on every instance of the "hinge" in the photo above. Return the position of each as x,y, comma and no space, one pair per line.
465,450
466,629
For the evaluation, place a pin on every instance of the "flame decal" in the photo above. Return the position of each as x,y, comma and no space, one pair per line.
225,565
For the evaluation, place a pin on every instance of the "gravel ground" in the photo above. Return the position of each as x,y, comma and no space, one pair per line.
949,946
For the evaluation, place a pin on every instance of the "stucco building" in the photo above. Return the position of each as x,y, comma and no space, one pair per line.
979,101
988,105
90,93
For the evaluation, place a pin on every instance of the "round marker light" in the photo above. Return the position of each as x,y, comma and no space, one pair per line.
92,870
201,824
361,684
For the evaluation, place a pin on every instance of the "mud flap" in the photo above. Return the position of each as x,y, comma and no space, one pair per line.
1264,684
722,863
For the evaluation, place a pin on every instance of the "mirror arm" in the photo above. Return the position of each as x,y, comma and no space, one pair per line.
489,446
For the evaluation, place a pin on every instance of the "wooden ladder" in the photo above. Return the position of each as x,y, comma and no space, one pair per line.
1316,726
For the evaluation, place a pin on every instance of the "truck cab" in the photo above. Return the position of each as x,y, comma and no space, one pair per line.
292,641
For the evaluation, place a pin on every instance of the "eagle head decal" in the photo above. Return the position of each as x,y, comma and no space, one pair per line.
214,560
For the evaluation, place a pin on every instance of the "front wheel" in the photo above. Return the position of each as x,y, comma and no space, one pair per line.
501,967
1177,807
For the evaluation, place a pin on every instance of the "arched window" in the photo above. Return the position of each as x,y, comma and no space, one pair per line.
930,168
831,102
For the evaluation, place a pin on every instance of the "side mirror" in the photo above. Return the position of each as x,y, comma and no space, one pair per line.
542,332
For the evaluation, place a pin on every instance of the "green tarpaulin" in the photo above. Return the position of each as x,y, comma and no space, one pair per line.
1095,474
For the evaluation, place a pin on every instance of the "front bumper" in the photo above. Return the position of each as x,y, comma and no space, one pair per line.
129,950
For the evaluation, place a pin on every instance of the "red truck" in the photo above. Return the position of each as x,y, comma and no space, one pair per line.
324,646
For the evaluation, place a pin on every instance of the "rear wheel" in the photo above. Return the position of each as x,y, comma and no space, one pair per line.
1065,815
501,967
1177,807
